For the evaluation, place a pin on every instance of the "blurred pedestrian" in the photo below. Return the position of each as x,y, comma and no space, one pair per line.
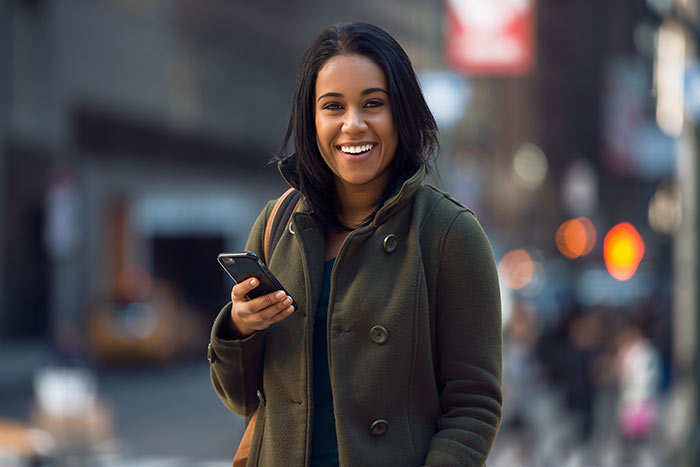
394,354
581,389
520,368
522,384
638,369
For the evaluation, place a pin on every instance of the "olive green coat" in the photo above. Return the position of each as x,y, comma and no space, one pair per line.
414,340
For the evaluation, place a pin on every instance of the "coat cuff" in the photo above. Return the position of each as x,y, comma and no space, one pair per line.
225,348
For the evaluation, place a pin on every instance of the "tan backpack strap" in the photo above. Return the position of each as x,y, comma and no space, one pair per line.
296,206
243,452
271,221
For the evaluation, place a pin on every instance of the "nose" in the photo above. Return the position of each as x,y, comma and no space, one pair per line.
354,121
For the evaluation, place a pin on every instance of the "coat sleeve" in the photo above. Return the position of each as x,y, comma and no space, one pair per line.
469,341
236,365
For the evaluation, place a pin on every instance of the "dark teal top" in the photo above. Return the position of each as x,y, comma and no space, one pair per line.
324,441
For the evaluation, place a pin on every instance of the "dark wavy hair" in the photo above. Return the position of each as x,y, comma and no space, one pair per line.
415,126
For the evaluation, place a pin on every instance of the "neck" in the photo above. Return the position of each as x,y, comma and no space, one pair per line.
355,203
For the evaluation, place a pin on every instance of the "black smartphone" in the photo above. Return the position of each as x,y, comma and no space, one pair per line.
242,266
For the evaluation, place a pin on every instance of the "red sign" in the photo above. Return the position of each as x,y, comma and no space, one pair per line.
490,37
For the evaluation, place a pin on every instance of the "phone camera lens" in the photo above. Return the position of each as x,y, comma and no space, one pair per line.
229,260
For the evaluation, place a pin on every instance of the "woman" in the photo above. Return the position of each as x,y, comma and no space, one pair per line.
394,354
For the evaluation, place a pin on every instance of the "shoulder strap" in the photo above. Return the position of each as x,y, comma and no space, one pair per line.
278,220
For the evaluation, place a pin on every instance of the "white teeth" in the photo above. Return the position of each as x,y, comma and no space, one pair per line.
356,149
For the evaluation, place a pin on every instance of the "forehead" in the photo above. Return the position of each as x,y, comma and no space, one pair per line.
347,74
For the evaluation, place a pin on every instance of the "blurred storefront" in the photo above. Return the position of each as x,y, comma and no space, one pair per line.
110,165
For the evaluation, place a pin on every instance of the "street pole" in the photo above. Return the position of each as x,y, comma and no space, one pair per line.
5,113
694,438
686,307
678,18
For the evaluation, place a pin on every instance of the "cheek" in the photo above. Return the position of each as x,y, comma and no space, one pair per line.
385,126
390,135
323,150
321,132
322,145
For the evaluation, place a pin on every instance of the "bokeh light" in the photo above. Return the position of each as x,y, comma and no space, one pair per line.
665,210
516,269
530,166
579,188
623,251
576,237
668,74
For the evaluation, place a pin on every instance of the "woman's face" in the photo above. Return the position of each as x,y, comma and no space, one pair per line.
354,128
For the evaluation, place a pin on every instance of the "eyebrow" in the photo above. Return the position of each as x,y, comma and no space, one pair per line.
364,93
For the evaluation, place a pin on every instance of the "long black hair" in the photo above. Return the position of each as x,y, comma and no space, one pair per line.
415,126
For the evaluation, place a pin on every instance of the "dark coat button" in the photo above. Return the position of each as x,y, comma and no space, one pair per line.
378,334
391,241
211,356
378,427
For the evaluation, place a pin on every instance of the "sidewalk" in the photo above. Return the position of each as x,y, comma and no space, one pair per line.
166,416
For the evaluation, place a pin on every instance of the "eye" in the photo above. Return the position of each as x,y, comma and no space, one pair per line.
374,103
332,106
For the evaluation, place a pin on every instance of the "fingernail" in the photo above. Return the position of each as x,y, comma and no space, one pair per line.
290,309
289,300
254,282
280,295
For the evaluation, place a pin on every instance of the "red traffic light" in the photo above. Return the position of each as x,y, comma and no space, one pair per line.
623,250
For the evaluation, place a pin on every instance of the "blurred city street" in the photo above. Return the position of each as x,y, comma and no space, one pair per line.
134,147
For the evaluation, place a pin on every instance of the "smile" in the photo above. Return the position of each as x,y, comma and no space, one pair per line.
361,149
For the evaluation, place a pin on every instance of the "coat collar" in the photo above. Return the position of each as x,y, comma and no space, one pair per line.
400,199
287,168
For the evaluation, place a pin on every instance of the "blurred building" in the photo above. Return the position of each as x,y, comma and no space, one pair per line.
133,146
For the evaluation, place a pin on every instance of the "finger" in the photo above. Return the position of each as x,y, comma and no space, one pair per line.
282,314
240,290
265,314
271,311
274,314
267,300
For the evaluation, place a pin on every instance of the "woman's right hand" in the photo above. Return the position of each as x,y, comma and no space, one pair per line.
248,316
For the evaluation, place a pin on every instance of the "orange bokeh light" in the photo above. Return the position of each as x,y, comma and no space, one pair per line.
516,269
576,237
623,251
